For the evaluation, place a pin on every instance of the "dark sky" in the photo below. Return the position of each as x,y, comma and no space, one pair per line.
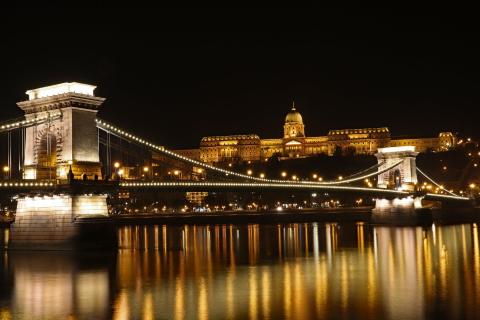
175,75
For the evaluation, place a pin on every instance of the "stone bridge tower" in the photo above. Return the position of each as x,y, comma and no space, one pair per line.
69,135
401,177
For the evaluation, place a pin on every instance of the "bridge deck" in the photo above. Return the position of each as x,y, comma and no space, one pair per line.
77,186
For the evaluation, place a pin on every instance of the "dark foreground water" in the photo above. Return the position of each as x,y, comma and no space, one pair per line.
291,271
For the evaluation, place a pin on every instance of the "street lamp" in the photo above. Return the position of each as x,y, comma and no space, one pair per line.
116,165
146,169
262,175
6,171
284,174
249,172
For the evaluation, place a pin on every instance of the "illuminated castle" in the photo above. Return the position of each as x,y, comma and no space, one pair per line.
249,147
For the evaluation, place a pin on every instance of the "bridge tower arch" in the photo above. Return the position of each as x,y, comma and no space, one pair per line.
69,134
404,175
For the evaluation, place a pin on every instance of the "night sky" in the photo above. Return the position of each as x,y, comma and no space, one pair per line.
175,75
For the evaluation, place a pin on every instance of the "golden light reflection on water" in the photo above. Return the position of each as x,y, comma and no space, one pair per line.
291,271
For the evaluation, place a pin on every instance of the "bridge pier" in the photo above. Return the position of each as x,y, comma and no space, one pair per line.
61,222
400,210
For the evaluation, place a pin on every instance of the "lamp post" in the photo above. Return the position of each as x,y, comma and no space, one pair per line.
6,172
120,174
472,187
70,175
116,174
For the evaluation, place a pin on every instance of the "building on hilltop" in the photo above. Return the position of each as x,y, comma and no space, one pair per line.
295,143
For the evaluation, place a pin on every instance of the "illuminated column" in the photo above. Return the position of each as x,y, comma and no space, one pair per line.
68,134
403,176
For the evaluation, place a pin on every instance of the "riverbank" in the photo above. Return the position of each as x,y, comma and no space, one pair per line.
350,214
320,215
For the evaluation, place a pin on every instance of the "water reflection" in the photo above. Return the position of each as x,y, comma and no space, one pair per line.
55,285
291,271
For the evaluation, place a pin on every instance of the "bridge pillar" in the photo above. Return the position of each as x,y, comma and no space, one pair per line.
401,177
68,138
61,222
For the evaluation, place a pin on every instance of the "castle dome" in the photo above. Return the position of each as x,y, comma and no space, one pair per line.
294,116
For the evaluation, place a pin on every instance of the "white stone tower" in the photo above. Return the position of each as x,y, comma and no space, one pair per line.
68,138
403,176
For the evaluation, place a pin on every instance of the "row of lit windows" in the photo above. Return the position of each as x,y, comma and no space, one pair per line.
365,130
234,137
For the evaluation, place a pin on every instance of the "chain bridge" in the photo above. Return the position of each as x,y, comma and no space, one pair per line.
54,165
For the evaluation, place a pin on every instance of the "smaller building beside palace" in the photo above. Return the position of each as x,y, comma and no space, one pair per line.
295,144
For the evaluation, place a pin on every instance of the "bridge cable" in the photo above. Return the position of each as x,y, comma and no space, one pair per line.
9,155
21,150
17,123
160,149
377,173
375,166
431,180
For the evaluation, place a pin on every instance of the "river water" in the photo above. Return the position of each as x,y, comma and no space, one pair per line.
285,271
